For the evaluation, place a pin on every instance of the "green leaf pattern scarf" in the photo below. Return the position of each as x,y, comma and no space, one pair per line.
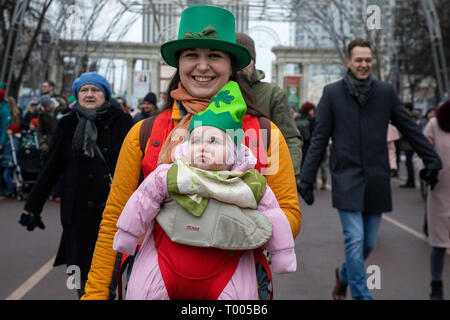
191,187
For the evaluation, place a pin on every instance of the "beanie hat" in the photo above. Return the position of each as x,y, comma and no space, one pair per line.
150,98
225,112
2,95
45,100
245,40
92,78
14,128
443,116
35,121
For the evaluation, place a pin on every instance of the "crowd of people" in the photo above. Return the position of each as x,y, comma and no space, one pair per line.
32,127
122,178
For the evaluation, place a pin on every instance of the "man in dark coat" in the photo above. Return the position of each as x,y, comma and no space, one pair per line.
84,152
355,113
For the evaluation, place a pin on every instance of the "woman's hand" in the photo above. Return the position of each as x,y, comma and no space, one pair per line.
29,220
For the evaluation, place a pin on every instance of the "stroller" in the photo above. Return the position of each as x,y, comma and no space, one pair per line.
27,161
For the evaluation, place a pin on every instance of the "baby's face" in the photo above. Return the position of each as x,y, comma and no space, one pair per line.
208,149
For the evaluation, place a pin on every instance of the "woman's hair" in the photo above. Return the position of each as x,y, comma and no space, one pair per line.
443,116
14,110
306,107
245,87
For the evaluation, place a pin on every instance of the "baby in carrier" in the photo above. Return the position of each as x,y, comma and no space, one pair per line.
204,215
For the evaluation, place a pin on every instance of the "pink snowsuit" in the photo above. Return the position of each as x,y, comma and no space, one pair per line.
138,218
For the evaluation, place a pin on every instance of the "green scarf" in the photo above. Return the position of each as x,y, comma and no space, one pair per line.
192,187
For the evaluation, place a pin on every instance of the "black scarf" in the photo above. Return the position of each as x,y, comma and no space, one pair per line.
85,135
360,89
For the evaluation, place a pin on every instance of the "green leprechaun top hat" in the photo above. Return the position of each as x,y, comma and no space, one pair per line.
225,111
206,27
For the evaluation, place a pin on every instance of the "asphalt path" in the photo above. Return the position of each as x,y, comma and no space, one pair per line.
401,255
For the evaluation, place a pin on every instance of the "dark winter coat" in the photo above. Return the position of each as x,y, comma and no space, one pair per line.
84,185
272,100
359,161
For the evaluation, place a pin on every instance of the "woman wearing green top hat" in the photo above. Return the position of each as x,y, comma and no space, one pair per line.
207,58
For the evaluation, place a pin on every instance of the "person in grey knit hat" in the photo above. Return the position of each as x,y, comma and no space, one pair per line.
273,101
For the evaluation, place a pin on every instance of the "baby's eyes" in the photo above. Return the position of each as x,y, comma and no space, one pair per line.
210,141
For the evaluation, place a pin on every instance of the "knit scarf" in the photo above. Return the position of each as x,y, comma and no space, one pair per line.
192,105
360,89
85,135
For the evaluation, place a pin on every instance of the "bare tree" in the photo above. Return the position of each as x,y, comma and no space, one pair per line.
414,56
34,21
343,21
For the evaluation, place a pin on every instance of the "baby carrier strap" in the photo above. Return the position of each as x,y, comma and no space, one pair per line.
155,135
145,131
257,138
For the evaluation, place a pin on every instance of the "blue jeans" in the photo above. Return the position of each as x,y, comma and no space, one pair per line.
8,176
360,236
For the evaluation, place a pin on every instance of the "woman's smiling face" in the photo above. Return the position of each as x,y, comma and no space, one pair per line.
203,71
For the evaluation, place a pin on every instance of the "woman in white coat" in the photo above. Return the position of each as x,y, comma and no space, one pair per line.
438,202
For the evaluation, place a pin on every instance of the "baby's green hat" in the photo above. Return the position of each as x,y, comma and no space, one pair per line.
225,111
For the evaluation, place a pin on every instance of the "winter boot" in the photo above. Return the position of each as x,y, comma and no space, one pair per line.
437,292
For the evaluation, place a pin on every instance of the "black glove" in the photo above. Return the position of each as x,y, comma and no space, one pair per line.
306,191
31,222
429,176
297,182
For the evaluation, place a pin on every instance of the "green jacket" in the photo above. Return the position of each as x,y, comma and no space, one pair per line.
272,100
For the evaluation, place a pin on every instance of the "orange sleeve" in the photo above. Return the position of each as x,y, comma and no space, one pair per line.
281,179
125,182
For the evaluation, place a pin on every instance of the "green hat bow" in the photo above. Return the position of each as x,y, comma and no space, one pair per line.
207,32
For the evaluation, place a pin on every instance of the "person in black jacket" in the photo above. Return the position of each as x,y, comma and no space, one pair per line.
355,113
148,107
83,152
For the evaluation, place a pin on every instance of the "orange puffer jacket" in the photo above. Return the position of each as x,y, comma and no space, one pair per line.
280,178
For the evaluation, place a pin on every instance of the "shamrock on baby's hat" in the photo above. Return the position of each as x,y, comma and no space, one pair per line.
225,111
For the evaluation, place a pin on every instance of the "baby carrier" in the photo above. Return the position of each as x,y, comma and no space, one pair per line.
162,125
